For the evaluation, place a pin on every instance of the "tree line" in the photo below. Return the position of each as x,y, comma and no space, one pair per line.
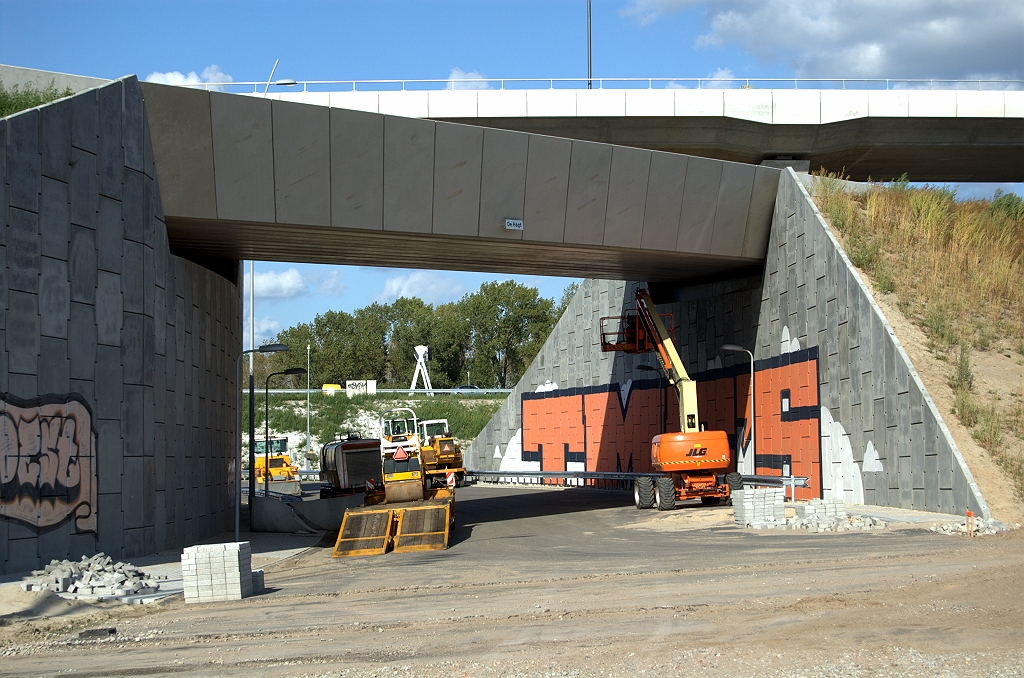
492,334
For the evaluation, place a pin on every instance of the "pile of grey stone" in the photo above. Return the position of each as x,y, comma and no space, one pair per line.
759,507
982,527
214,572
836,523
95,576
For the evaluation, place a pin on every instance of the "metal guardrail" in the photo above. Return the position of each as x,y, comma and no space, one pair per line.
418,391
612,83
751,480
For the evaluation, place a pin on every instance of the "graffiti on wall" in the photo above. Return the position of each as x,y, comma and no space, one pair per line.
48,461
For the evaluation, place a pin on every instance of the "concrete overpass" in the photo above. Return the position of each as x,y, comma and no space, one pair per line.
930,134
244,177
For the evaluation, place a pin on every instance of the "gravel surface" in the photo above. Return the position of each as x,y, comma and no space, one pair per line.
578,583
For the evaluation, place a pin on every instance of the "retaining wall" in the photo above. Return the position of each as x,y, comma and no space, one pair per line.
117,359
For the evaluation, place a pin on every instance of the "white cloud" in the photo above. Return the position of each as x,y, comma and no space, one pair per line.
266,329
211,74
457,80
942,39
429,286
278,285
331,285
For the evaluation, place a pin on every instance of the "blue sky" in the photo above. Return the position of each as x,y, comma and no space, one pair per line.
502,39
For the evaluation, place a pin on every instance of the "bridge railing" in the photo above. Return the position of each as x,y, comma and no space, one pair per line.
609,83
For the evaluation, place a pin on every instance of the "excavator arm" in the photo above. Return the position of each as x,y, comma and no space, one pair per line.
647,315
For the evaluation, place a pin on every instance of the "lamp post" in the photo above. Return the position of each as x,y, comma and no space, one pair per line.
266,430
268,348
308,347
748,461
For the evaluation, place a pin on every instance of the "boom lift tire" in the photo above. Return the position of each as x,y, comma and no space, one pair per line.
734,480
643,493
665,494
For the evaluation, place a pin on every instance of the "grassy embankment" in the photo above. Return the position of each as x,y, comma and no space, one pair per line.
957,270
467,414
19,98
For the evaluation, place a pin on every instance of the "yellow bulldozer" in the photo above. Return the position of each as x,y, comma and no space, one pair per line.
415,508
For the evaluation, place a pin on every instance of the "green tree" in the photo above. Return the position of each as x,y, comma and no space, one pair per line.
509,324
411,322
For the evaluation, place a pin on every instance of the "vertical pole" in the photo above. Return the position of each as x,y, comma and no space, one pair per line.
753,418
252,450
252,315
266,437
308,348
238,443
590,73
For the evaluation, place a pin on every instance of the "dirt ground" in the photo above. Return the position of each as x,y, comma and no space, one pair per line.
577,582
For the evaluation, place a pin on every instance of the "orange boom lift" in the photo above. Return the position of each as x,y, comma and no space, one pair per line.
695,463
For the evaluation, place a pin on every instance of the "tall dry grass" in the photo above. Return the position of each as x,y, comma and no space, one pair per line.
957,270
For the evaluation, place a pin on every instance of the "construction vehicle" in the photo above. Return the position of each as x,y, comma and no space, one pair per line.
348,463
283,476
439,451
694,462
413,508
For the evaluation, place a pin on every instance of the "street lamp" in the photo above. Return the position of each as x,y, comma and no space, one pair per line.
267,348
748,460
266,430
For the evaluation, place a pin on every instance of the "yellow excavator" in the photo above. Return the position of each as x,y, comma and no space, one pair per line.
694,462
415,508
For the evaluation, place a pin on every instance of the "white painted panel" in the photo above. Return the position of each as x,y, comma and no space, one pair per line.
651,102
551,103
501,103
843,104
600,102
452,103
356,101
1014,102
702,102
974,104
932,104
796,107
749,104
405,104
315,98
887,104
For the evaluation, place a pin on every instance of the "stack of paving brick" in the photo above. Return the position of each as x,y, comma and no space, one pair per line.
822,510
759,507
213,572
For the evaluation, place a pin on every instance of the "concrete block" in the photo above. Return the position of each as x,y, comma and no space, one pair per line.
133,125
244,157
23,160
22,333
109,311
503,182
666,181
53,366
109,236
547,186
54,219
133,276
408,174
83,189
23,251
700,202
627,196
589,175
458,155
109,382
54,297
133,206
109,154
82,344
357,169
302,163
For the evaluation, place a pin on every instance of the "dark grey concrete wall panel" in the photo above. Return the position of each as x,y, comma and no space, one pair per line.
503,182
547,188
100,312
664,201
243,156
627,197
408,174
867,383
585,207
302,164
700,202
458,155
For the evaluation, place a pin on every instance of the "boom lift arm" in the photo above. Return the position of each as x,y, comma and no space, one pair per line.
671,363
